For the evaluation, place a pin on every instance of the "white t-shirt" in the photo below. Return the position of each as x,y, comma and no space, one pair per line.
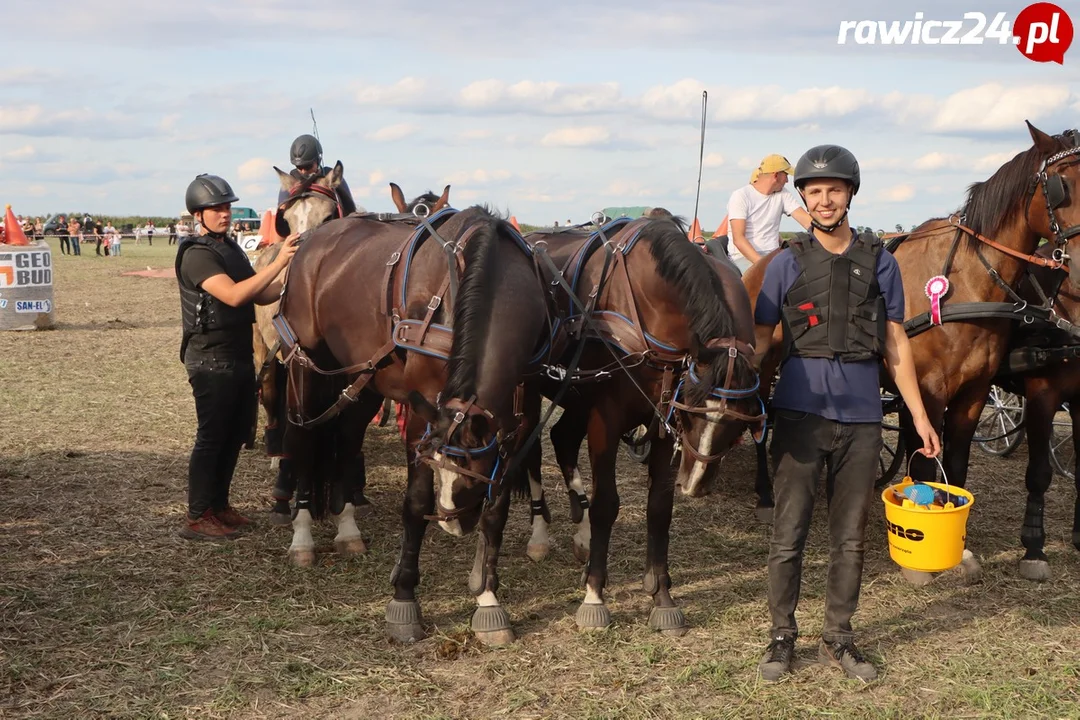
762,215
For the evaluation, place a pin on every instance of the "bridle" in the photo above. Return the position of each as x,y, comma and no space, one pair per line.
301,191
1056,195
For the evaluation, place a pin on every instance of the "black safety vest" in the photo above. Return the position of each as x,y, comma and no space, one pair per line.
202,312
835,309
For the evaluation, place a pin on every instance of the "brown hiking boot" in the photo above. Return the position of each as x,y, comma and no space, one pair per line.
777,659
233,519
847,657
207,527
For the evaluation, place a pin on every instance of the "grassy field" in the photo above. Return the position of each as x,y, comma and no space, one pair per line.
106,612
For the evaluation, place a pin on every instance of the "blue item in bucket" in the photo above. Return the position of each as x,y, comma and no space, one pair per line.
919,494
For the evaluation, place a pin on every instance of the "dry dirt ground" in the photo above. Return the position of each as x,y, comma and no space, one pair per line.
105,612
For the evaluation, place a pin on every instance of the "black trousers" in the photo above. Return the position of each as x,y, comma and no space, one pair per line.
803,444
225,403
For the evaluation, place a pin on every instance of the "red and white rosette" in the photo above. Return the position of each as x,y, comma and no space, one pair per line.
936,288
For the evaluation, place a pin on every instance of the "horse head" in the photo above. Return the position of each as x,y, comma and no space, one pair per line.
427,204
312,201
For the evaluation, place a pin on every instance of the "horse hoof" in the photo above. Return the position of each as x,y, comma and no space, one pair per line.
917,577
1076,540
764,515
275,462
668,620
970,569
302,558
1037,570
352,546
403,621
591,616
536,553
281,519
581,554
491,625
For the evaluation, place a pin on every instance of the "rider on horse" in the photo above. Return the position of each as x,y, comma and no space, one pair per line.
306,155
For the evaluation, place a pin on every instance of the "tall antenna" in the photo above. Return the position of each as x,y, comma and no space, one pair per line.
701,154
314,125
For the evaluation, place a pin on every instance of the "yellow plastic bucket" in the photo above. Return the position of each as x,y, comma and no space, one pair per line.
927,539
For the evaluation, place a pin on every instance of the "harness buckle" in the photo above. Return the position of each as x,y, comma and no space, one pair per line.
459,417
732,352
433,304
394,259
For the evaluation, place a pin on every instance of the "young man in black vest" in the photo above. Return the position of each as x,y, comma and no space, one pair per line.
840,299
218,289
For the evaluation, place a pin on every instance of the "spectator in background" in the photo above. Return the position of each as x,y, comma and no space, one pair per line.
62,233
98,238
39,228
114,240
75,235
755,210
172,233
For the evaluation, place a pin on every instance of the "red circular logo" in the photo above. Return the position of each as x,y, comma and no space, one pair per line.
1043,32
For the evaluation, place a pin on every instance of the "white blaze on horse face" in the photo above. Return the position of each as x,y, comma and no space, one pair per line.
445,494
705,444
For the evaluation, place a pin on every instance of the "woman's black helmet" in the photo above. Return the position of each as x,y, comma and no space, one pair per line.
207,191
306,150
827,161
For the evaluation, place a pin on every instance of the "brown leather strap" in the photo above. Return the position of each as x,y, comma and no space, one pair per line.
348,395
954,221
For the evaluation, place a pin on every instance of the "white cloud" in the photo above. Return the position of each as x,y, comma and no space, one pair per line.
15,118
23,154
477,177
628,188
376,177
897,193
713,160
256,169
546,97
590,136
995,107
991,162
404,92
392,133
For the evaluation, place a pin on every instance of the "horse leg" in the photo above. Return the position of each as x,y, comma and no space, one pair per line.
490,621
350,468
603,449
1042,400
665,616
300,444
1074,413
276,425
566,438
403,619
540,518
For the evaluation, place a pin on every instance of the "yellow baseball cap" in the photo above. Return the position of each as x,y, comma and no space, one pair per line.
772,164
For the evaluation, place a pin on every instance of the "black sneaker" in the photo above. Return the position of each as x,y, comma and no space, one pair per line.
847,657
777,659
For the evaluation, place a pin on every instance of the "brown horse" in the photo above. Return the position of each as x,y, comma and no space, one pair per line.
1054,380
983,254
669,345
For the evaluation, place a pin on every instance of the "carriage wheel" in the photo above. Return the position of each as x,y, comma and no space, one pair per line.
892,440
1062,449
637,452
1000,430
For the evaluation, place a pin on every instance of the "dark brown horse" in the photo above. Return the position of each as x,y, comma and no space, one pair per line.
983,252
669,346
1054,356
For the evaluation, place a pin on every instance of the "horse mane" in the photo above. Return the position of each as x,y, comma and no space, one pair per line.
472,306
991,202
680,263
429,198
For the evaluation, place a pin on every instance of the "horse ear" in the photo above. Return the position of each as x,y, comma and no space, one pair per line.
422,407
288,182
1042,141
336,175
443,200
399,198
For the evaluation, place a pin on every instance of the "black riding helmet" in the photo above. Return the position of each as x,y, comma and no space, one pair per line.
828,161
306,151
207,191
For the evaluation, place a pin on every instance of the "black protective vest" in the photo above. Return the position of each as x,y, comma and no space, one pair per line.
201,311
835,309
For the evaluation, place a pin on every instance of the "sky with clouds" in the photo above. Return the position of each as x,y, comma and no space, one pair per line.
548,111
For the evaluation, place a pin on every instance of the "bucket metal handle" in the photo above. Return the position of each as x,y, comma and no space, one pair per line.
907,469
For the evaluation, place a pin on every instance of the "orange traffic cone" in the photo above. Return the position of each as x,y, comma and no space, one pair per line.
695,234
722,229
514,222
13,232
268,230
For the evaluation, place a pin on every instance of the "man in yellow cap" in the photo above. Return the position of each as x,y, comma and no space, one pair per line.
755,210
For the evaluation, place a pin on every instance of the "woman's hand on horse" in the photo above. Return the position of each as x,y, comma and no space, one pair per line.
288,249
931,444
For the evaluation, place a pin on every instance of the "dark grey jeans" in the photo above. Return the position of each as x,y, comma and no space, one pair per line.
802,445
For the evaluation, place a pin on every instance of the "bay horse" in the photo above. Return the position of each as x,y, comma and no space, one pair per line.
476,426
1043,366
982,252
670,338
